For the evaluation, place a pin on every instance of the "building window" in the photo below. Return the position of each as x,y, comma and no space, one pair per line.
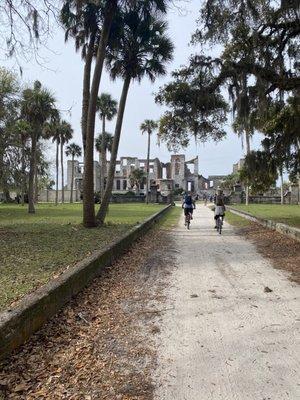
124,184
176,185
118,184
177,166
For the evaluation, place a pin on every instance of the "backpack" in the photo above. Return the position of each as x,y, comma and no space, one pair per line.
188,200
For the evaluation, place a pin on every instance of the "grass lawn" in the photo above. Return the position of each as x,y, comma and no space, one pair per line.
170,220
236,220
35,248
287,214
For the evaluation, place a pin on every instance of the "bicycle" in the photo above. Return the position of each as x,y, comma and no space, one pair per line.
188,220
219,224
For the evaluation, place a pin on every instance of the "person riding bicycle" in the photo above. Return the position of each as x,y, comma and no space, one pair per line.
188,205
219,205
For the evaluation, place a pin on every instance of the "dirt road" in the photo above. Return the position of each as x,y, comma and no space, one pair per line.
223,334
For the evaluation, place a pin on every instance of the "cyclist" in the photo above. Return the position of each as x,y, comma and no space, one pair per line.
220,206
188,205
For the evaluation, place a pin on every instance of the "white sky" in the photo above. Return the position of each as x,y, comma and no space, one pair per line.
62,74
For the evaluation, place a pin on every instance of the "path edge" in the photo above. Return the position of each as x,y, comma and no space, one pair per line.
284,229
19,323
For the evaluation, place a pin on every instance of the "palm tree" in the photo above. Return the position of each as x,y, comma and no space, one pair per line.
90,25
65,134
51,131
108,142
148,126
22,129
81,21
107,108
37,105
136,178
143,49
95,40
75,151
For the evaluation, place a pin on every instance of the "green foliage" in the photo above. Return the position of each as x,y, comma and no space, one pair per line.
108,142
259,171
73,150
107,107
148,126
282,140
230,181
37,106
195,111
259,38
136,177
139,47
178,191
258,64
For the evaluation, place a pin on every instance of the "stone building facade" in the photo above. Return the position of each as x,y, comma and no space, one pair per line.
176,174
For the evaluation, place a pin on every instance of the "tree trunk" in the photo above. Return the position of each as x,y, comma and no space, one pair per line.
103,159
86,88
72,179
298,174
148,168
7,198
281,187
3,181
36,184
62,172
23,171
248,149
56,162
88,182
114,152
31,209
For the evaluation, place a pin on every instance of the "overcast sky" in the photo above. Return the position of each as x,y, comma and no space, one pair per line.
62,74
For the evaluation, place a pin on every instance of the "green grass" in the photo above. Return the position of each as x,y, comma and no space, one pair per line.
35,248
170,220
287,214
236,220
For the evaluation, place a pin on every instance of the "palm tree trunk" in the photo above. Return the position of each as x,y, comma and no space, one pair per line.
86,88
36,184
148,168
281,187
88,181
62,171
3,180
31,209
23,173
248,150
298,174
56,162
103,159
114,152
72,179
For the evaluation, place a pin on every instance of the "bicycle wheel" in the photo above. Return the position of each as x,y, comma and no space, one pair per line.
220,226
218,223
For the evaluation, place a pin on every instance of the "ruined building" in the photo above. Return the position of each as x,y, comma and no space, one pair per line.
175,174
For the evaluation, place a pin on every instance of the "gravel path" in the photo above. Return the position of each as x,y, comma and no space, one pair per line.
224,335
